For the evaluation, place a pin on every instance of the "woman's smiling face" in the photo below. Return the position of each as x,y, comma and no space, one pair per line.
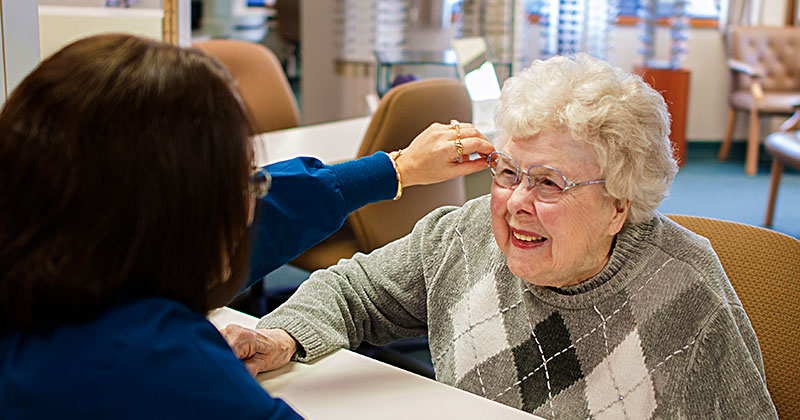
562,243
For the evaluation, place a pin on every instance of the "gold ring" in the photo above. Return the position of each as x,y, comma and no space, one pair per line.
455,125
459,147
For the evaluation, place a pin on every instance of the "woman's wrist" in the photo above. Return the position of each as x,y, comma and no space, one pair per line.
280,344
289,344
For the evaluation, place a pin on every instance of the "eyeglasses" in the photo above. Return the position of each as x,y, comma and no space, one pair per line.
548,184
260,182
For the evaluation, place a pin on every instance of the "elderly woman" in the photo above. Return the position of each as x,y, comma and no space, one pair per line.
565,293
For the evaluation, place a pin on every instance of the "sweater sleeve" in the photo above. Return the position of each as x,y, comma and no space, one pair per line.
377,298
725,377
308,201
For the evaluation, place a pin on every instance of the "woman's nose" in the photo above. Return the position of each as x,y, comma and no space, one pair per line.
521,199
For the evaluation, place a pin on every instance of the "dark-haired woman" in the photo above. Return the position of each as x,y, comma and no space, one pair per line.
126,192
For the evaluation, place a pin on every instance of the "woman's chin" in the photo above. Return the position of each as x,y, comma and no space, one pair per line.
537,278
526,274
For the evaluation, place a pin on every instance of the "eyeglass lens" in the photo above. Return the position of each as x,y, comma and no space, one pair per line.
547,184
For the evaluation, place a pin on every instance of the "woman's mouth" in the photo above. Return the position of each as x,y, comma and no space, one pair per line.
528,238
524,240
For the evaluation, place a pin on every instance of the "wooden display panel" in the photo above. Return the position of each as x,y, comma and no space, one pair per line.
673,84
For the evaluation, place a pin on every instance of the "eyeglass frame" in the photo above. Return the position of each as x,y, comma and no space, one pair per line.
517,180
259,183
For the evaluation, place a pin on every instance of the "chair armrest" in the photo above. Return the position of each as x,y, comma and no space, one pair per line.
757,91
742,67
792,123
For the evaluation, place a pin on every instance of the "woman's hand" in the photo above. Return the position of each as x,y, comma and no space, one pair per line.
432,156
260,350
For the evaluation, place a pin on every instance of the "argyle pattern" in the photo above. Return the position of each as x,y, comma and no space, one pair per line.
658,333
549,357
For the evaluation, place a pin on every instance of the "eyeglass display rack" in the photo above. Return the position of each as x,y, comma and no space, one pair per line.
388,59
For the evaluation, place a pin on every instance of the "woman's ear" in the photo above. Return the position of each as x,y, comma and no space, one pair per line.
621,209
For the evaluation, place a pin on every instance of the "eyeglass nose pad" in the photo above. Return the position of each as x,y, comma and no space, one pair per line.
528,181
522,199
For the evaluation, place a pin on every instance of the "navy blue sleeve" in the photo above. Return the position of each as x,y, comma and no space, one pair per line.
308,201
231,391
199,377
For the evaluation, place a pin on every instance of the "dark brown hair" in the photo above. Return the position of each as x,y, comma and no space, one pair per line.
123,169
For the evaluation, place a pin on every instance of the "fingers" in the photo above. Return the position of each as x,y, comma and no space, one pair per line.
260,350
466,167
465,130
434,154
446,136
262,362
478,145
253,366
241,340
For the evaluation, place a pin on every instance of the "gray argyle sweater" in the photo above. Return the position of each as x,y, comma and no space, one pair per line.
658,333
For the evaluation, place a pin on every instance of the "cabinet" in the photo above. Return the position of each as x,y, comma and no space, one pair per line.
673,84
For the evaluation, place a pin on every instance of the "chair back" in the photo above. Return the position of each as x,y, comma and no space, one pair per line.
261,83
774,50
403,113
764,268
784,146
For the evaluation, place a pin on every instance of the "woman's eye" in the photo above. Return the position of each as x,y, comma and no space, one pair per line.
548,183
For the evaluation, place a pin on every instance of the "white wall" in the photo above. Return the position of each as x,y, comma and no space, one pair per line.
60,25
20,42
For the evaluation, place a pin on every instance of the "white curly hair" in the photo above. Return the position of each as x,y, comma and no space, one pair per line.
620,116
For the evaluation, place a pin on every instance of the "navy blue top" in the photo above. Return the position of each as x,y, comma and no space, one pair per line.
154,358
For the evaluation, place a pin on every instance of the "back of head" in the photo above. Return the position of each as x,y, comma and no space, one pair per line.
123,163
620,116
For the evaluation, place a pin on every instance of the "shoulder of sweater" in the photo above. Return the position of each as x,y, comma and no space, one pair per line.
667,237
695,253
473,217
681,237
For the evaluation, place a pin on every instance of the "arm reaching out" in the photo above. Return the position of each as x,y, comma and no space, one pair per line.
309,200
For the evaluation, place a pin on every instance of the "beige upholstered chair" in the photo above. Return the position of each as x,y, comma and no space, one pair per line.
764,269
784,146
261,82
765,65
403,113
